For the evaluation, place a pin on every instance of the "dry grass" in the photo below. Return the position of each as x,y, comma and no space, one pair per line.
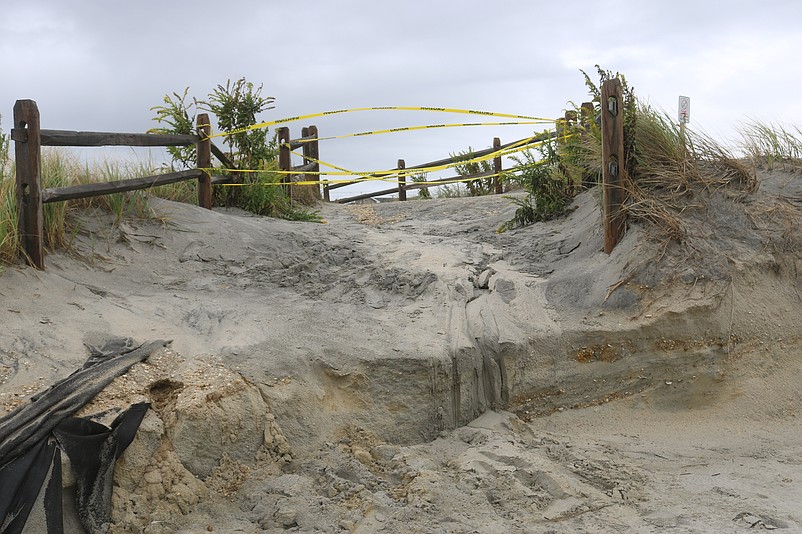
773,145
61,169
673,170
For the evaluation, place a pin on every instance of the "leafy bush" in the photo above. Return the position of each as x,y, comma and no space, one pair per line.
545,184
423,192
465,167
236,106
179,117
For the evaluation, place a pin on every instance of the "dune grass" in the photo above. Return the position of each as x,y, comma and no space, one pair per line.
667,166
772,145
61,169
672,165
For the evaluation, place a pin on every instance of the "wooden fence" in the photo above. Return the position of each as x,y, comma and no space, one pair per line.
29,138
308,171
613,163
402,171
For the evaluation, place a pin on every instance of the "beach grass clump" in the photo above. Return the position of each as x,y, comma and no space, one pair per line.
60,168
773,145
675,164
9,240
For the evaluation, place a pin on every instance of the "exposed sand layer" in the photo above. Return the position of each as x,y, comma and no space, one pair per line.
406,368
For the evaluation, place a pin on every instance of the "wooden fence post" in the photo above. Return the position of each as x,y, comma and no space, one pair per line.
314,153
613,162
587,112
305,149
587,117
284,156
27,152
499,187
204,160
402,181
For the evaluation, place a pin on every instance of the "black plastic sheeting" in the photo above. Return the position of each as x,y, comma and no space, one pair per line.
33,436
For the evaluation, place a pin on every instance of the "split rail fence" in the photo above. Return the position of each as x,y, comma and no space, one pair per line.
28,139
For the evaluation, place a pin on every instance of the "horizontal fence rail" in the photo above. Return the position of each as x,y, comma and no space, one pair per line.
60,194
29,138
403,186
92,139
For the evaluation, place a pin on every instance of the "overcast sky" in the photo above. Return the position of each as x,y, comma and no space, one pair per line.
95,65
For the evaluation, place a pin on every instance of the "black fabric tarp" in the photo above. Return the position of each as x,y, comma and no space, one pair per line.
33,436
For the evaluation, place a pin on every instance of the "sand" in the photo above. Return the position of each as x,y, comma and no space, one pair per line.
404,367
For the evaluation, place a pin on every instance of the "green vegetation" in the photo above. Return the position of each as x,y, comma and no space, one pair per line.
236,105
773,145
540,175
178,116
664,164
423,192
466,167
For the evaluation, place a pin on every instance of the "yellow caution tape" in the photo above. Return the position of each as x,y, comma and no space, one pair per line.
415,128
382,108
384,174
387,175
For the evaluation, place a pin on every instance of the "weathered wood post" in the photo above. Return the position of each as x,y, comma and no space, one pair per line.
587,112
499,186
586,119
284,156
305,150
402,180
314,153
204,160
27,152
613,162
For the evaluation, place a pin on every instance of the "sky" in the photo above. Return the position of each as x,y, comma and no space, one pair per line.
101,66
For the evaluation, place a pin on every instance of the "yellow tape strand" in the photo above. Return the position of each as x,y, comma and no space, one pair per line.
416,128
267,124
385,175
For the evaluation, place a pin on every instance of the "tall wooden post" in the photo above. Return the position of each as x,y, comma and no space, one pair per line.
284,156
613,162
587,118
402,180
499,187
204,160
314,153
27,151
587,115
305,148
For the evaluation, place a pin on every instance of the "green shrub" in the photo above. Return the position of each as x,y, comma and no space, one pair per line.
236,106
423,192
465,168
179,116
538,171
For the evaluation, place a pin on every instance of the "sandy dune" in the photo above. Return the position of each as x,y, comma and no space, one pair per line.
406,368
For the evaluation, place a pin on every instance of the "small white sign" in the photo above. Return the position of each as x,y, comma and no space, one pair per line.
684,109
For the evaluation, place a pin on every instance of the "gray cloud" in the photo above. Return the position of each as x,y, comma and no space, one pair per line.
101,66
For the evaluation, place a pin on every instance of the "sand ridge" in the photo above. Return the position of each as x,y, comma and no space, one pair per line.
404,366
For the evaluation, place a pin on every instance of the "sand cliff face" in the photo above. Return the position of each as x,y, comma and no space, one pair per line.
322,376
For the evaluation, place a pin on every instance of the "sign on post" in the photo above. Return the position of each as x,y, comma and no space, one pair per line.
684,109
